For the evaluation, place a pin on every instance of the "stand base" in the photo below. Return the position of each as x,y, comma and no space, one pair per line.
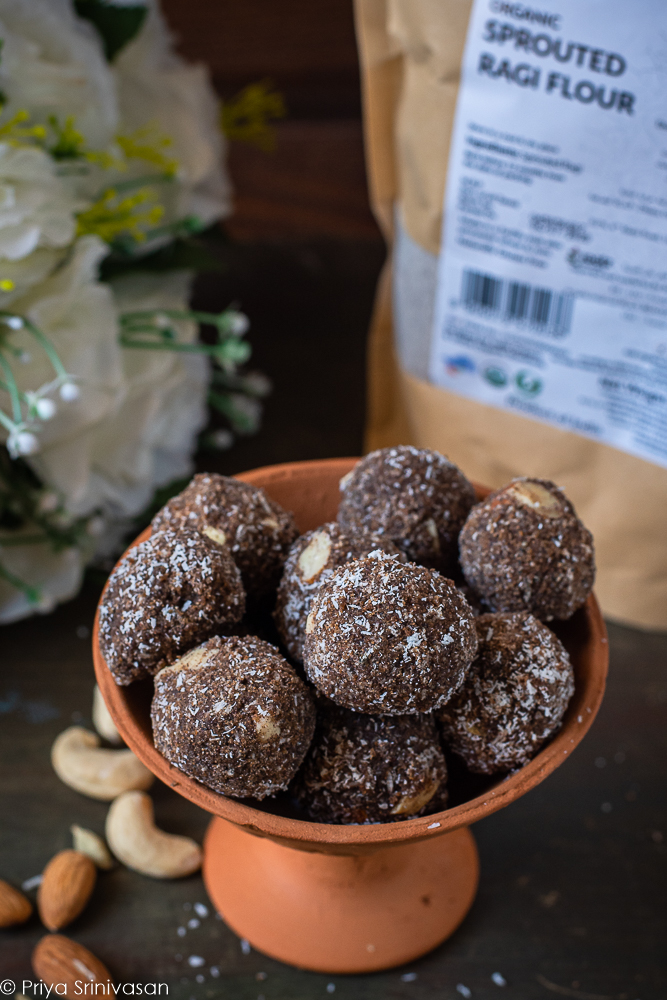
340,913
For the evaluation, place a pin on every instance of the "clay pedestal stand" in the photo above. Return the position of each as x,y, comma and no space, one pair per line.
350,898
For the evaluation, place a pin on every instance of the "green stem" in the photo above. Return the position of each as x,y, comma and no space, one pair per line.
150,345
32,593
47,346
23,395
6,422
7,542
13,390
190,225
213,319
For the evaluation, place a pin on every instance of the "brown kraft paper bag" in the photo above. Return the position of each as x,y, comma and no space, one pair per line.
411,53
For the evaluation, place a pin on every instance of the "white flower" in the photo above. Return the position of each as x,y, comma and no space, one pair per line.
57,576
21,442
52,64
239,323
69,391
36,210
127,420
43,407
155,86
37,220
151,436
134,426
77,313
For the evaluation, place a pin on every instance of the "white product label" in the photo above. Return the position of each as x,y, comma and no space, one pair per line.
552,282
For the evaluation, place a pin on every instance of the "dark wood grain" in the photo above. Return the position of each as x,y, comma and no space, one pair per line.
307,48
312,184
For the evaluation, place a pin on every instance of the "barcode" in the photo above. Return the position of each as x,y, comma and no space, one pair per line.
546,310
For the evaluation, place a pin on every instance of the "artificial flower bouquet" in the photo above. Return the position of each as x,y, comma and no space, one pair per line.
111,156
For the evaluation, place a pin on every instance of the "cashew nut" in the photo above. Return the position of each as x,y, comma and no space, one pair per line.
102,720
91,844
81,763
137,842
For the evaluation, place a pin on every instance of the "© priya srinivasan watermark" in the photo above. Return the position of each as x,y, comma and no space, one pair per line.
88,989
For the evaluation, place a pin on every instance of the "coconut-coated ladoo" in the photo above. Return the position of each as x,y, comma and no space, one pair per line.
166,595
257,530
524,549
311,560
372,768
387,637
414,497
514,697
233,714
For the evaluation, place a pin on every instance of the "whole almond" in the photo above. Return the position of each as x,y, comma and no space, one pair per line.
58,959
67,883
15,908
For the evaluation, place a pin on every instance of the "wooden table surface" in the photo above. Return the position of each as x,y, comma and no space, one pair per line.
572,894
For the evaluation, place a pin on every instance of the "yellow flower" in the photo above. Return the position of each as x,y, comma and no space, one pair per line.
246,117
110,217
147,144
16,134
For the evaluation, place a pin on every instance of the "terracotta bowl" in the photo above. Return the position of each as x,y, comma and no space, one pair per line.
350,898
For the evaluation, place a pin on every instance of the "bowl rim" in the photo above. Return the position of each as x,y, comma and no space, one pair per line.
297,832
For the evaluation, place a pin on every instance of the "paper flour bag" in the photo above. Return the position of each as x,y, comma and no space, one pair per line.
517,160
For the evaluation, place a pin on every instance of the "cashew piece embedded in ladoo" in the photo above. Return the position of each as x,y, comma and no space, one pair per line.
102,720
81,763
136,841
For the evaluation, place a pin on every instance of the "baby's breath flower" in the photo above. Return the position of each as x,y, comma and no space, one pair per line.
69,391
41,406
21,443
14,323
239,324
222,439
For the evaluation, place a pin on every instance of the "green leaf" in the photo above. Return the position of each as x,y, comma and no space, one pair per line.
183,254
116,26
32,593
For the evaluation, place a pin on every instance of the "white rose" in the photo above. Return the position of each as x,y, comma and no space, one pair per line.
150,438
77,314
37,219
134,424
133,427
56,575
155,86
53,64
35,208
